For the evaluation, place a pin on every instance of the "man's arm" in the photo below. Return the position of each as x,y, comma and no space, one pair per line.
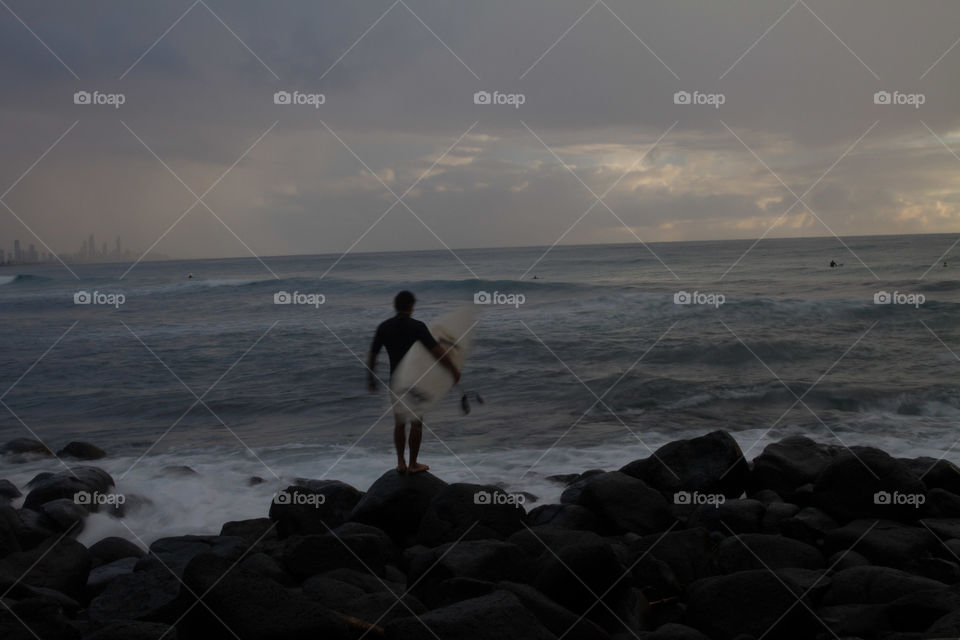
440,354
371,367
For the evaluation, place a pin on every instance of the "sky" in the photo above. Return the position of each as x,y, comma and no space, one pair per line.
804,118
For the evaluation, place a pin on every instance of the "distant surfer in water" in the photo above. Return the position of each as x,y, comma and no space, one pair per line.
398,334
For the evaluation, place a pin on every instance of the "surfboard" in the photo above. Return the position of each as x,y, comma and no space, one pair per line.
419,380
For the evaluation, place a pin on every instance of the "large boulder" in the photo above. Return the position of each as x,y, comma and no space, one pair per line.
875,585
736,516
10,530
689,553
361,596
313,506
470,512
8,490
25,446
577,574
396,503
790,463
304,556
749,603
625,503
883,542
59,564
936,473
85,481
566,516
112,549
146,595
482,560
712,463
864,482
104,574
175,552
495,616
33,618
239,603
81,451
752,551
557,620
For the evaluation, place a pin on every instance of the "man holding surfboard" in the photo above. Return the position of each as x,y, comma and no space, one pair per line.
398,335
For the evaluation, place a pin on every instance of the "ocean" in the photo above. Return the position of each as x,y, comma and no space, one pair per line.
592,364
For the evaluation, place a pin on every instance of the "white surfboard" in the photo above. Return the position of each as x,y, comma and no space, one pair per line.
419,381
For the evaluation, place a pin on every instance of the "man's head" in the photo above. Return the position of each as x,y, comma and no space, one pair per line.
403,302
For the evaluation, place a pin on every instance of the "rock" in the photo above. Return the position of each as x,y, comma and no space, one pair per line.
883,542
178,471
144,595
134,631
470,512
945,571
946,627
810,525
766,496
539,541
753,603
241,602
82,451
943,528
496,616
103,575
37,479
577,574
397,502
35,527
9,490
313,506
674,631
689,553
253,481
737,516
710,464
775,514
253,532
25,446
60,564
875,585
942,504
10,530
84,481
865,482
760,551
917,611
174,553
35,617
267,567
846,560
625,503
556,619
935,473
304,556
566,516
790,463
112,549
486,560
855,620
350,593
67,514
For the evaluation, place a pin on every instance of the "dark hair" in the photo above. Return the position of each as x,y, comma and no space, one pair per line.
404,301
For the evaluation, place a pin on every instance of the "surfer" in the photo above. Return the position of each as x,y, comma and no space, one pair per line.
833,264
398,334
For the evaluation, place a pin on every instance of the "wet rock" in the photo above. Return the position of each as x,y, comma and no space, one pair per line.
495,616
577,574
112,549
397,502
810,525
313,506
61,565
134,631
867,483
25,446
82,451
253,532
883,542
790,463
935,473
104,574
566,516
8,490
10,530
35,617
67,514
178,471
675,631
752,551
690,553
556,619
144,595
736,516
174,553
625,503
712,463
470,512
85,481
875,585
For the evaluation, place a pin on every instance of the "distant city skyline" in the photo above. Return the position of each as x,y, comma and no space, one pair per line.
29,254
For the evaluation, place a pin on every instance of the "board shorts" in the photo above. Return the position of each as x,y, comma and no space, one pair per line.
399,409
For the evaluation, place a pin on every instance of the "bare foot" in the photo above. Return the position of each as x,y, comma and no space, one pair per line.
416,467
402,467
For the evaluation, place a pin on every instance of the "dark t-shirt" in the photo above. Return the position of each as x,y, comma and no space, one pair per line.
398,334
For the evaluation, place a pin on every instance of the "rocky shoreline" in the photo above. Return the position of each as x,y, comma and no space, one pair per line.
694,542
